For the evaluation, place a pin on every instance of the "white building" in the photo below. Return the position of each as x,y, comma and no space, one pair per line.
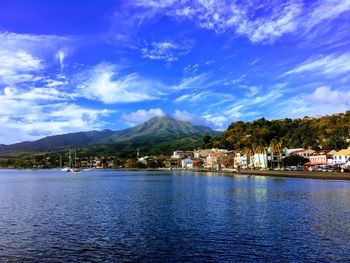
182,154
240,160
303,153
202,153
342,157
187,163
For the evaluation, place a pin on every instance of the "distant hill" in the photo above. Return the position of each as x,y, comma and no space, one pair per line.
319,132
156,131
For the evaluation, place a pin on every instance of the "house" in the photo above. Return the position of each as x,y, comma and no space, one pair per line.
214,160
240,160
322,158
275,159
110,164
269,158
187,163
260,160
342,157
202,153
182,154
143,160
289,151
303,153
330,157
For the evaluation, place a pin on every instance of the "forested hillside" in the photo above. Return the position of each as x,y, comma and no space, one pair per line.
327,132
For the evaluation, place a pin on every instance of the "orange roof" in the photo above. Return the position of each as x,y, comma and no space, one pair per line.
217,154
343,152
302,151
315,163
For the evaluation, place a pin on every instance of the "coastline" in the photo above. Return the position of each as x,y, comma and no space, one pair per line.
287,174
298,174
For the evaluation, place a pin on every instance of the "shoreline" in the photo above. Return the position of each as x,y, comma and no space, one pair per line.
298,174
287,174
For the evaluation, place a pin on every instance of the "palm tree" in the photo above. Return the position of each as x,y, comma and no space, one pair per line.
276,147
260,149
249,152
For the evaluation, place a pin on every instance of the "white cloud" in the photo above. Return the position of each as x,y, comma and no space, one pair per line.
60,56
35,44
142,115
194,119
18,66
327,95
323,100
192,82
29,115
191,68
327,9
167,50
54,82
328,65
197,97
104,84
259,21
194,97
26,58
36,94
267,29
220,121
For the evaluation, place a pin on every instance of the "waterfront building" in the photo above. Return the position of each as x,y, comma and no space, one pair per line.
202,153
275,159
322,158
240,160
303,153
182,154
214,160
187,163
260,160
289,151
342,157
143,160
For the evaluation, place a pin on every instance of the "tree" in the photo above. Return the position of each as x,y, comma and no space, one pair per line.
130,163
328,132
294,160
249,152
276,146
207,141
260,150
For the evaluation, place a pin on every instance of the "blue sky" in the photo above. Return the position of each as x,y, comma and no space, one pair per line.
71,66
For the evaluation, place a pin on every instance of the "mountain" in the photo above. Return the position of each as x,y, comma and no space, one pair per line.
158,130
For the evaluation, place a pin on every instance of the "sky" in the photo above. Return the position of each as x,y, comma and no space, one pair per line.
68,66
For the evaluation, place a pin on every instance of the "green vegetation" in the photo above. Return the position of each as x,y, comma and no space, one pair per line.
328,132
294,160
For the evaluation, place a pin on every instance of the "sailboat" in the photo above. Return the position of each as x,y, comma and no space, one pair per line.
71,168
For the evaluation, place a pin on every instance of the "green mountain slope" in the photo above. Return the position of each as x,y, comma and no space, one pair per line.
158,130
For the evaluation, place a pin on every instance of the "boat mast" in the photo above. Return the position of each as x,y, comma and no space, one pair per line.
70,159
75,158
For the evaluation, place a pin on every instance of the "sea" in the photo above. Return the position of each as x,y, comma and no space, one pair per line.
171,216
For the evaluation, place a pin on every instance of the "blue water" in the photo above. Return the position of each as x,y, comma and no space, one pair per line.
109,216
